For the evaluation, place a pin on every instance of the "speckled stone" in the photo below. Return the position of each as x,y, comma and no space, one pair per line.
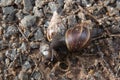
28,21
6,2
27,6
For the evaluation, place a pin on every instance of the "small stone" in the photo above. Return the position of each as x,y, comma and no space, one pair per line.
23,75
37,75
1,56
39,3
14,45
85,3
81,16
44,50
28,21
10,18
46,24
118,4
3,44
11,30
9,14
8,10
17,1
71,20
38,35
23,47
38,12
26,66
19,15
6,2
7,61
1,30
34,45
53,6
27,6
27,32
11,54
60,2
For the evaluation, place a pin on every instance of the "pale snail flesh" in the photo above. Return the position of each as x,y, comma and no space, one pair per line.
55,26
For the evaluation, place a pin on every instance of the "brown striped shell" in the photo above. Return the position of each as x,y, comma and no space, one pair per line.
77,37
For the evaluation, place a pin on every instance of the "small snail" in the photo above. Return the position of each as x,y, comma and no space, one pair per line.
74,39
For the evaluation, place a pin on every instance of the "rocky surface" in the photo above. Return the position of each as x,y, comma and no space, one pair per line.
25,51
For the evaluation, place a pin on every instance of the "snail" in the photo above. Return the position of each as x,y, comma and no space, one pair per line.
74,39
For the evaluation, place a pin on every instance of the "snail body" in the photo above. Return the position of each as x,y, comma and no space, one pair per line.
74,39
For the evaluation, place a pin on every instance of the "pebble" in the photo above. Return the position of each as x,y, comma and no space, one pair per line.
27,6
17,2
26,66
23,47
44,49
8,10
27,32
28,21
39,3
118,4
38,12
71,20
3,44
53,6
19,15
11,30
11,54
38,35
6,2
34,45
23,75
81,16
37,75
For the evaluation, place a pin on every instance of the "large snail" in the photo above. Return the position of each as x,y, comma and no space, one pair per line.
74,39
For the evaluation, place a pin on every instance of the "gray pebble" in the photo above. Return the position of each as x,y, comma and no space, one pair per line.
44,49
28,21
20,15
34,45
81,16
118,4
27,6
23,75
38,35
53,6
23,47
46,24
39,3
11,54
11,30
7,61
26,66
85,3
38,12
71,20
17,1
60,2
37,75
27,32
8,10
6,2
3,45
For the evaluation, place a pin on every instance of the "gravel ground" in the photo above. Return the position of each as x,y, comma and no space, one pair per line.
25,51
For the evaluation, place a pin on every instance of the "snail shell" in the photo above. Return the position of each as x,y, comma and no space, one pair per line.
55,26
77,37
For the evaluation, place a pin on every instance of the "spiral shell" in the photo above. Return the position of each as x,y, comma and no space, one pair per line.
77,37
